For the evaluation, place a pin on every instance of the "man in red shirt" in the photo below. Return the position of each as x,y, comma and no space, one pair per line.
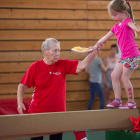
48,79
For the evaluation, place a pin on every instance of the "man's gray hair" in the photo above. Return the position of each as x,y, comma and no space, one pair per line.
47,43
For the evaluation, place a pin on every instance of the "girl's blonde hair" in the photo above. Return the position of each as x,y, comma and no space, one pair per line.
120,6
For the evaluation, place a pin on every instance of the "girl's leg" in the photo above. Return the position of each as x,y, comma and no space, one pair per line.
127,84
116,74
92,95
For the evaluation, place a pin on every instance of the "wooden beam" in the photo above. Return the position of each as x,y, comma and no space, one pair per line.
24,126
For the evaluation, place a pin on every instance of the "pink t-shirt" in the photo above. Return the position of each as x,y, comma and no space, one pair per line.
125,38
49,90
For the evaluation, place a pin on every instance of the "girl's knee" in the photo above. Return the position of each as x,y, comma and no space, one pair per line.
114,76
124,79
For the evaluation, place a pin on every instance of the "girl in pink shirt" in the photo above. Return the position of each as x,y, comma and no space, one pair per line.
121,12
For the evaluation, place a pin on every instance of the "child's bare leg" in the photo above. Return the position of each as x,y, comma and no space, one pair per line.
127,84
116,74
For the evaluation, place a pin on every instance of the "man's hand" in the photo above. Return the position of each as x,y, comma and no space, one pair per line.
100,46
20,107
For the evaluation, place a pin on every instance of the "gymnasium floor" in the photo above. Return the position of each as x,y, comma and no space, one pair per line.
92,135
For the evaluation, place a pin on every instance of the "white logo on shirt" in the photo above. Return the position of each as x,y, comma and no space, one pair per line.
34,89
56,73
84,138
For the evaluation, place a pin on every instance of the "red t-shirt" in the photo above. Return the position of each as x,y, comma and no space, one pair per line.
49,90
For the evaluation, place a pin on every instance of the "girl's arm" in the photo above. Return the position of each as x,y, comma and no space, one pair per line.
103,67
134,26
104,79
103,39
106,37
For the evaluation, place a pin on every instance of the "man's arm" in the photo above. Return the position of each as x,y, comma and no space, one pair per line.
20,92
85,63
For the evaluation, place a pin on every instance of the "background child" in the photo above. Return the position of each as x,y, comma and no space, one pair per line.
95,78
121,12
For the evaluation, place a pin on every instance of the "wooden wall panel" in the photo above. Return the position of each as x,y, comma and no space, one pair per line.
56,14
42,34
65,45
36,45
25,24
43,24
54,4
61,4
42,14
14,67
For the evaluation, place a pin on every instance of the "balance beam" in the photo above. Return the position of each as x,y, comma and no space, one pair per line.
32,125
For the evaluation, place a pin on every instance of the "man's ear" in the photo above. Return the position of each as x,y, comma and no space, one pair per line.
45,51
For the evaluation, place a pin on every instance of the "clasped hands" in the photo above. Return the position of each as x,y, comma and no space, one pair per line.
97,46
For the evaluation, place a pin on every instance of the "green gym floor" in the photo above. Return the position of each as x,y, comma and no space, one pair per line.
92,135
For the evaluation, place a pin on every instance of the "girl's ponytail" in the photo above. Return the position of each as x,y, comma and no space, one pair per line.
130,13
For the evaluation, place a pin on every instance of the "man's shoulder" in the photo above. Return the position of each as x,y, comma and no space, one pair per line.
36,63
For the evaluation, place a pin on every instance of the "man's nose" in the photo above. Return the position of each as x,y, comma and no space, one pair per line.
58,53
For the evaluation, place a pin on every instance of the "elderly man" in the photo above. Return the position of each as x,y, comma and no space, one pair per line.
48,79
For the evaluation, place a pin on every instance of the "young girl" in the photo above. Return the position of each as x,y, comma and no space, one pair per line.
121,12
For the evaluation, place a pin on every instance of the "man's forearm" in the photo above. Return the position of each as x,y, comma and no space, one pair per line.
85,63
20,92
89,59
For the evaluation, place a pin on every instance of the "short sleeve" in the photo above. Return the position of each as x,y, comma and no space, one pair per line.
128,20
29,77
99,61
71,66
113,29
